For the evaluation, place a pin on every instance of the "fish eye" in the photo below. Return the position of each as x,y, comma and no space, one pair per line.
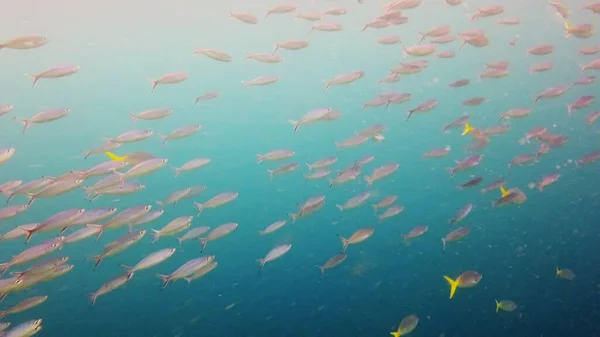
81,210
64,258
19,281
54,244
172,250
146,207
114,209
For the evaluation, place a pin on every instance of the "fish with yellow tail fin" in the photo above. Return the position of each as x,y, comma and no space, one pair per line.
566,274
506,305
468,129
583,31
407,325
512,196
114,157
467,279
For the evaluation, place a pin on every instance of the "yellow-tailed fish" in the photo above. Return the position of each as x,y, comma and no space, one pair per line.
506,305
114,157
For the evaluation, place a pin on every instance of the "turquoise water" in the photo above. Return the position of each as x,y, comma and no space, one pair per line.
516,248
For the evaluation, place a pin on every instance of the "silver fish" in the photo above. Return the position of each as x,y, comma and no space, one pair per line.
218,232
150,261
274,254
216,201
55,72
186,269
180,133
45,117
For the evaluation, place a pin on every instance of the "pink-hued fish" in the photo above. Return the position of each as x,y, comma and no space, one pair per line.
582,31
420,50
272,227
390,212
274,254
588,158
170,78
281,9
544,149
590,50
333,262
180,133
54,189
593,65
436,153
389,40
353,141
436,32
283,169
558,141
84,233
494,185
309,16
457,123
443,39
56,72
6,154
175,226
108,287
45,116
373,130
380,173
483,12
460,83
475,101
131,136
514,113
446,55
462,213
509,21
309,207
580,103
322,163
191,165
355,201
336,11
119,245
4,109
423,107
102,149
497,65
478,40
187,269
547,181
59,221
594,7
24,42
128,216
386,202
144,168
526,159
150,115
585,80
378,24
533,134
264,57
326,27
396,98
401,5
33,253
193,234
216,201
415,232
465,164
274,155
551,93
244,17
345,176
541,67
319,174
12,211
215,54
151,260
30,186
544,49
7,187
313,116
344,79
391,78
494,73
260,81
291,45
218,232
512,196
591,118
357,237
455,235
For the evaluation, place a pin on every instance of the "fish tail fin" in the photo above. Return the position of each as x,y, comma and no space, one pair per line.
3,314
294,217
160,204
259,158
423,36
503,191
101,227
327,85
344,242
199,206
4,267
165,280
452,221
369,180
468,128
128,271
340,207
98,259
35,79
443,244
540,188
26,123
163,140
154,84
365,28
28,233
408,114
114,157
453,285
177,172
497,305
31,197
295,124
262,263
308,166
93,297
133,116
276,48
203,242
395,334
557,271
271,173
156,235
451,170
569,110
322,270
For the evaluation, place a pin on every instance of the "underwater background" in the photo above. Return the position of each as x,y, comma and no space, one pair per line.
119,45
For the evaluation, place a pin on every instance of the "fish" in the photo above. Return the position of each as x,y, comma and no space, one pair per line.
274,254
108,287
180,133
346,78
436,153
260,81
12,211
455,235
5,109
201,272
506,305
33,253
435,32
45,116
512,196
218,232
322,163
244,17
547,181
24,305
150,261
353,141
420,50
566,274
119,245
390,212
24,42
493,185
381,172
415,232
141,169
150,115
284,169
6,154
193,233
25,329
176,225
472,182
217,201
169,78
588,158
523,160
187,269
311,117
407,325
272,227
385,202
208,96
59,221
42,267
580,103
280,154
309,207
462,213
355,201
54,72
84,233
465,164
291,45
265,57
319,174
423,107
467,279
191,165
389,40
357,237
127,216
333,262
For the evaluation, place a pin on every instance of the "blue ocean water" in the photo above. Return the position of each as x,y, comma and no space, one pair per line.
119,46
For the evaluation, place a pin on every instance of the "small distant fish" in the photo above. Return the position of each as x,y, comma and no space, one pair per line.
547,181
56,72
467,279
260,81
284,169
169,78
455,235
506,305
566,274
346,78
180,133
467,163
244,17
215,54
208,96
390,212
218,232
152,114
436,153
272,227
216,201
415,232
385,202
274,254
333,262
462,213
355,202
471,183
280,154
459,83
407,325
494,185
422,107
24,42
